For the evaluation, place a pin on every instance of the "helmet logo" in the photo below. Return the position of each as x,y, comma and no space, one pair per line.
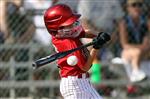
56,19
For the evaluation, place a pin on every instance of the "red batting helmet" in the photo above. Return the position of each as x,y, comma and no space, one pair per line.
59,15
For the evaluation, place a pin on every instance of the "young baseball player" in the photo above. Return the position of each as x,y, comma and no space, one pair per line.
66,31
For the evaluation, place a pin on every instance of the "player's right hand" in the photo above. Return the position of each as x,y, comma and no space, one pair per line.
100,40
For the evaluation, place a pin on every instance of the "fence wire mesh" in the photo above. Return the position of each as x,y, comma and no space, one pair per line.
24,38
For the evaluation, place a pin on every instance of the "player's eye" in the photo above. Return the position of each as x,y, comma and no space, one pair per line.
76,23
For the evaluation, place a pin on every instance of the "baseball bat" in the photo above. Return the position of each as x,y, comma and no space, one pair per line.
48,59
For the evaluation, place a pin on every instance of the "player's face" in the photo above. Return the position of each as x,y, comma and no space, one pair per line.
71,26
72,30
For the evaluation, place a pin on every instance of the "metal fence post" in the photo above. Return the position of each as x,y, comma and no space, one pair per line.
12,76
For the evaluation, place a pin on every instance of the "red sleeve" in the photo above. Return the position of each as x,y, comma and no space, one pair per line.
67,44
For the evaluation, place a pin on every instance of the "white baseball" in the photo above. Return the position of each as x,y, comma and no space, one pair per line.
72,60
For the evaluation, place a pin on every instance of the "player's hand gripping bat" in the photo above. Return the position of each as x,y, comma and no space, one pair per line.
102,38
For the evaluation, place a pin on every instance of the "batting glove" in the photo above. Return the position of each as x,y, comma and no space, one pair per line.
100,40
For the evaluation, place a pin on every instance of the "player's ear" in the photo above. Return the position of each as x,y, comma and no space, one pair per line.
53,33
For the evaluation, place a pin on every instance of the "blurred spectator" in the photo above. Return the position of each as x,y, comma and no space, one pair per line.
37,8
2,31
41,35
134,38
3,23
15,27
20,26
19,30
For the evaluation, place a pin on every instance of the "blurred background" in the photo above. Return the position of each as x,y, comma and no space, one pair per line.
24,38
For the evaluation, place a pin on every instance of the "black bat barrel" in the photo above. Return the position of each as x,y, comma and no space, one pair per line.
43,61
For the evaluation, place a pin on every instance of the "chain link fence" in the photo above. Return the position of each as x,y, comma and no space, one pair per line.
20,46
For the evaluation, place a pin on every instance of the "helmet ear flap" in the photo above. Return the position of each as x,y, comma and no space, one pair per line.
53,32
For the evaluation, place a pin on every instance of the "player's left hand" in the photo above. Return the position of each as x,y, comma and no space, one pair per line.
101,39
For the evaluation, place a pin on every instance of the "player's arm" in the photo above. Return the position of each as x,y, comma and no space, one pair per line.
3,22
123,34
93,54
93,51
86,34
89,34
101,39
146,41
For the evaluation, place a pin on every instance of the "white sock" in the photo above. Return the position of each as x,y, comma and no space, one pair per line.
128,68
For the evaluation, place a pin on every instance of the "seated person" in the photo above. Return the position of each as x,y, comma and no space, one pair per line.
134,38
